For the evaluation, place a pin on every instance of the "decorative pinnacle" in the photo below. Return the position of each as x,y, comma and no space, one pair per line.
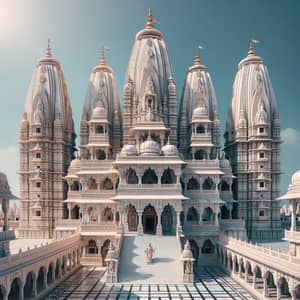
102,58
149,24
251,47
197,61
48,52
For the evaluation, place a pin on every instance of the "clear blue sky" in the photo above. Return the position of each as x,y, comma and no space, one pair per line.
81,27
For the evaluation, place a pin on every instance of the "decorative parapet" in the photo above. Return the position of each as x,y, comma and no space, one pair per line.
37,253
293,236
277,260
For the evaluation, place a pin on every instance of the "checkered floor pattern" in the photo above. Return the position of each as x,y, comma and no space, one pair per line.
211,283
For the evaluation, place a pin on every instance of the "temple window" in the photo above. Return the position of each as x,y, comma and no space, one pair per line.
261,184
193,184
38,184
200,129
208,184
38,213
261,155
100,155
208,247
38,130
99,129
38,155
200,154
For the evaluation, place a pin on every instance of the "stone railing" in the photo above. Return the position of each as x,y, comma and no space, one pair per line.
95,164
98,227
41,252
277,260
149,186
292,235
201,229
232,223
68,223
7,235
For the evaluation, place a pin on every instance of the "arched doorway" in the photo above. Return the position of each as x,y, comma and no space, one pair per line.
15,289
168,220
149,220
40,281
104,250
195,251
132,218
29,293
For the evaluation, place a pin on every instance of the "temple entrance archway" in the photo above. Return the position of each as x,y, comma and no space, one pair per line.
132,218
149,220
168,220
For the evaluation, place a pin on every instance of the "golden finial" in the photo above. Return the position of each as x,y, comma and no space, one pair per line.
197,61
251,47
149,24
48,50
102,58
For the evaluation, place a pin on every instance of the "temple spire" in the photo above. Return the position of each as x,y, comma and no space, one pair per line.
48,52
197,61
102,58
251,47
149,24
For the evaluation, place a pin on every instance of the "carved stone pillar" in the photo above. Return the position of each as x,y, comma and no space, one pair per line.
278,291
158,227
265,287
5,212
254,280
140,222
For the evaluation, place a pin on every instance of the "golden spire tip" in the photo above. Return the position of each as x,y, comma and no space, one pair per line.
149,24
197,61
102,58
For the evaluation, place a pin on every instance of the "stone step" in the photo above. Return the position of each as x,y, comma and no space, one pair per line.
165,267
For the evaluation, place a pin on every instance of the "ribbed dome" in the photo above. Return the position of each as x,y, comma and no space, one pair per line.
296,178
129,150
75,164
150,147
169,150
199,112
225,164
150,60
198,92
253,97
47,96
102,86
99,112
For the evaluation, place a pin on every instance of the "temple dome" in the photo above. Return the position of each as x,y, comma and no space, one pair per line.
199,112
150,147
129,150
47,96
169,150
99,111
225,163
296,178
253,97
75,163
102,87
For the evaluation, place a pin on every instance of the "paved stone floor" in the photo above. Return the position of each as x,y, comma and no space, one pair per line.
212,283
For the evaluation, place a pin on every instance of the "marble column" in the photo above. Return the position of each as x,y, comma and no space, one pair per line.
140,223
158,227
293,216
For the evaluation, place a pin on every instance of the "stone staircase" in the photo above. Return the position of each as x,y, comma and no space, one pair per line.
165,267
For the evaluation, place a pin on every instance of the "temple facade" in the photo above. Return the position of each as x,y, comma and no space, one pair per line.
148,169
